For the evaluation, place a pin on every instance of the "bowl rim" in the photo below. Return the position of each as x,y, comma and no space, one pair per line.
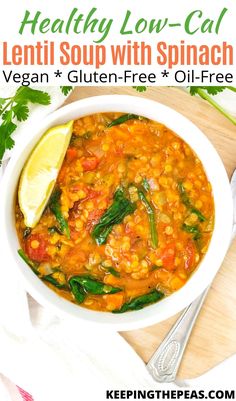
214,169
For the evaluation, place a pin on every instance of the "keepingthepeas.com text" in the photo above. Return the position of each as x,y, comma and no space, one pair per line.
170,394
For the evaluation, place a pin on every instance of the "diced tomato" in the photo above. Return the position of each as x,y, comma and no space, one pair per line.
75,235
71,154
71,223
90,163
168,257
190,251
93,218
36,248
93,194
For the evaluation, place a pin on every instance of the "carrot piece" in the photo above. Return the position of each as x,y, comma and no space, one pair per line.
90,163
111,280
71,154
115,301
176,283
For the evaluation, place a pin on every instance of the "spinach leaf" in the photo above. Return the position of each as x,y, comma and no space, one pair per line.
113,271
77,290
28,261
26,232
87,135
192,230
54,229
81,285
145,184
140,302
57,279
122,119
200,216
55,207
155,267
76,138
151,216
120,208
187,202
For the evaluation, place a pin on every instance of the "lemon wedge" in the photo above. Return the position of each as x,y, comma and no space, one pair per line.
39,175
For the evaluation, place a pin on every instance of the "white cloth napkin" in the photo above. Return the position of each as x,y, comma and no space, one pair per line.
57,359
227,99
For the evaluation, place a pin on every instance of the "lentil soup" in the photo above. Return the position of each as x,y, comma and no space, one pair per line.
130,218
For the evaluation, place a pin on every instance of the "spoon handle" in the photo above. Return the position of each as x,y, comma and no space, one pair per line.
164,364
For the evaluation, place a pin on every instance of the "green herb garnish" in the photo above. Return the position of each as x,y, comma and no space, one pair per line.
66,89
205,92
115,214
140,302
15,109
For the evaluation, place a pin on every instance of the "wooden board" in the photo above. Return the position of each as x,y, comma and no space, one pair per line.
214,336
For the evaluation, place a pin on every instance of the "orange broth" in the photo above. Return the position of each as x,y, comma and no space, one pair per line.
139,156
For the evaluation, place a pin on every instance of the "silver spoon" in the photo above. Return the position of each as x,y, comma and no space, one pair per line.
165,362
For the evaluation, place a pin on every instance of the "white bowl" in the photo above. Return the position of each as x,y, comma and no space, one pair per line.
223,212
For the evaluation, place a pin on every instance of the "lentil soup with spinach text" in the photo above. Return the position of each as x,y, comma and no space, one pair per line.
129,220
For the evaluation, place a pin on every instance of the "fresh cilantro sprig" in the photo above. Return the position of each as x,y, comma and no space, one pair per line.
205,92
211,90
15,109
140,88
66,89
